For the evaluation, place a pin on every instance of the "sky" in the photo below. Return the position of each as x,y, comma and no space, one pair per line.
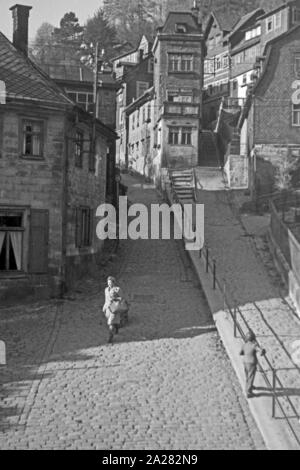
46,10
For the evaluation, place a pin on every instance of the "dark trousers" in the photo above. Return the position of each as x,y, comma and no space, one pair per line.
250,371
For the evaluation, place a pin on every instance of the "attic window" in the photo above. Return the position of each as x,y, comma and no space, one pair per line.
180,28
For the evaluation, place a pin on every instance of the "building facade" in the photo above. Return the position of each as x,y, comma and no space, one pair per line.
135,76
271,118
53,176
178,83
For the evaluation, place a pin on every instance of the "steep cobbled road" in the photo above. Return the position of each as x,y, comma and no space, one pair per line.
166,382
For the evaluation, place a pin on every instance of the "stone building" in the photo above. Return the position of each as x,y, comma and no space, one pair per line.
134,72
63,65
217,63
52,178
140,115
178,83
271,118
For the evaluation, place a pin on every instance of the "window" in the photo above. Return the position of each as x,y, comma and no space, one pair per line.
133,121
244,79
186,136
141,87
296,15
181,62
149,113
144,115
269,24
151,65
187,63
296,115
253,33
225,62
180,28
297,65
79,149
277,20
240,58
180,136
84,99
173,135
11,240
83,227
138,118
32,145
218,63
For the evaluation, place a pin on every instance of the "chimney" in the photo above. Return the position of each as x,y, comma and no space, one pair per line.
197,14
20,15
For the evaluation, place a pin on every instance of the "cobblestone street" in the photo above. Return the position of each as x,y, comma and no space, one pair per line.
166,382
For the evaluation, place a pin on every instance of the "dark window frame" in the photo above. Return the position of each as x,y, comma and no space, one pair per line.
186,136
174,133
7,248
25,134
78,148
83,227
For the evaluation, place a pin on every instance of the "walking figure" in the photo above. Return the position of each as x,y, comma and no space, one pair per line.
114,307
249,350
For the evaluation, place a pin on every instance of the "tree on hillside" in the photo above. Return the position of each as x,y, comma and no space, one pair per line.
97,29
69,29
44,37
132,18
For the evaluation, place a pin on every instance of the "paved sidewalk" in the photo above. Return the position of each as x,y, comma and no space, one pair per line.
166,383
244,262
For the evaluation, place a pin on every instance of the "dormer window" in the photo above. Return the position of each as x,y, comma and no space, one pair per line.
180,28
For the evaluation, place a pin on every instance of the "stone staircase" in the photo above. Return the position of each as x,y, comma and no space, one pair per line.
183,184
209,152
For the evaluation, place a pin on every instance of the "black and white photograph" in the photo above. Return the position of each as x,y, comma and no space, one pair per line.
150,228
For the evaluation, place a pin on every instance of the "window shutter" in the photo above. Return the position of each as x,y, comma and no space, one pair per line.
38,242
78,228
91,226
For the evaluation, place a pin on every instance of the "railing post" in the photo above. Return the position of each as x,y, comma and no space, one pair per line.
214,274
207,259
273,393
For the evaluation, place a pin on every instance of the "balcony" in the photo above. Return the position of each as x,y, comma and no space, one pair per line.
180,109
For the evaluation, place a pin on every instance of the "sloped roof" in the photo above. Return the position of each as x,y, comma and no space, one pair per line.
245,18
269,69
175,17
24,80
226,20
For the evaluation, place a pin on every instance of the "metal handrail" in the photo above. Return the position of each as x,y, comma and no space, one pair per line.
237,327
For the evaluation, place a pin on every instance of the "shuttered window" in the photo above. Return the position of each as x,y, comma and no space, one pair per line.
84,227
38,242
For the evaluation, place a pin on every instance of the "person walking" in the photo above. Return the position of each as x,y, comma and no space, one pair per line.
249,352
113,307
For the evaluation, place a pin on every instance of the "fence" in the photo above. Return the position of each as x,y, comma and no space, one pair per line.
241,327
